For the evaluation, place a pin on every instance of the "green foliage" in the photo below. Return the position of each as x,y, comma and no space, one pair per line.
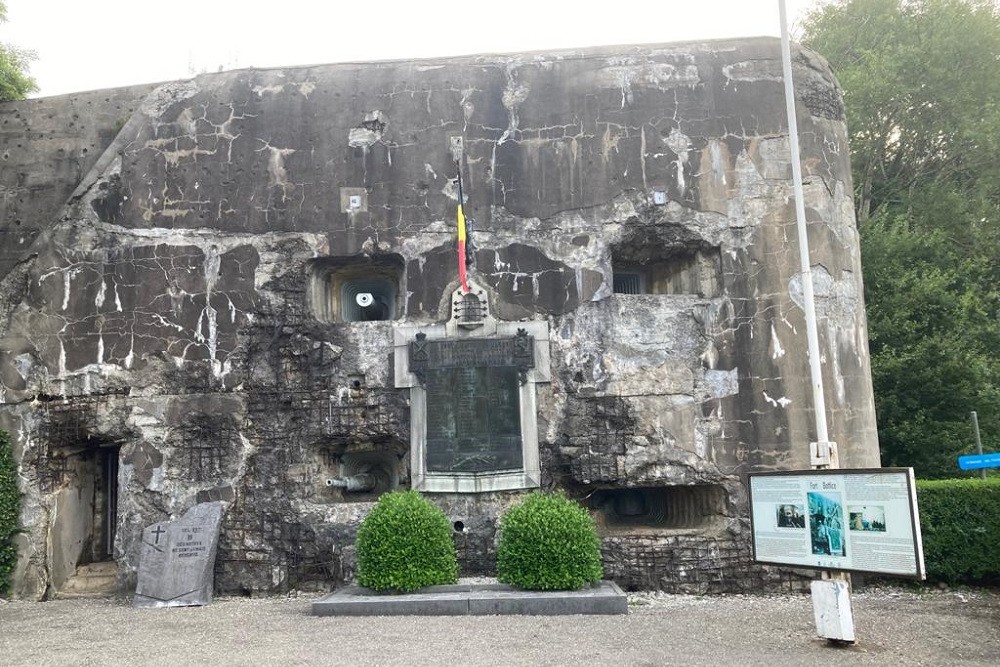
921,90
923,110
14,80
960,523
933,335
548,542
404,544
10,511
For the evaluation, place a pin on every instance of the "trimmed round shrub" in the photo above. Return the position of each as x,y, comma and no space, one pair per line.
404,544
548,543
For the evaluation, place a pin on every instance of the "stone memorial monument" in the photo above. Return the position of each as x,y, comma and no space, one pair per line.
177,564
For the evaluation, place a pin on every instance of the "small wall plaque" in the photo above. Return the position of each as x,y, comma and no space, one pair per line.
353,200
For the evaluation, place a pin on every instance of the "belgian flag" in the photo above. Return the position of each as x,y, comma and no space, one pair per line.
463,277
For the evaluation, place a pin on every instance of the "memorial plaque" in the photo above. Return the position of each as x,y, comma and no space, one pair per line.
473,401
473,419
177,563
482,352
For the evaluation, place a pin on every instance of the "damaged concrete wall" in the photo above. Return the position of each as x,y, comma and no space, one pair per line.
162,304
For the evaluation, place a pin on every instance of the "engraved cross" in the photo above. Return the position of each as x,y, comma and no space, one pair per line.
158,531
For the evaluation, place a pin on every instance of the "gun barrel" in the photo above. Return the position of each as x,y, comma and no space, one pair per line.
353,483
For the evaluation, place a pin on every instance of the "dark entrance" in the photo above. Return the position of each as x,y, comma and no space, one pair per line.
86,519
106,505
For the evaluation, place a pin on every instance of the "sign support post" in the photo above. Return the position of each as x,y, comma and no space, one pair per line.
979,442
831,595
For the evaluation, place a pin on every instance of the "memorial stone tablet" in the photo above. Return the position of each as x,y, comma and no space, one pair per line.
177,563
473,401
473,420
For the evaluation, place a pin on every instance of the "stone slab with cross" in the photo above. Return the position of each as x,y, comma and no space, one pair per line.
177,565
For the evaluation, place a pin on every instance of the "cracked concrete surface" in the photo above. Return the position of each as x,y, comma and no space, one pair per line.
158,290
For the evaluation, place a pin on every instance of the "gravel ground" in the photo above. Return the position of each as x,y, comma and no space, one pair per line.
894,626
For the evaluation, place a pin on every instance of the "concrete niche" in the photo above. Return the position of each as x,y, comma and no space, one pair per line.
356,289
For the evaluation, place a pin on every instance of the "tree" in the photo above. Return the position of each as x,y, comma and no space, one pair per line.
921,89
923,109
934,340
14,80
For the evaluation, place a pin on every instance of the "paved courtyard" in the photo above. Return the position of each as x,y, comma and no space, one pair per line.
894,626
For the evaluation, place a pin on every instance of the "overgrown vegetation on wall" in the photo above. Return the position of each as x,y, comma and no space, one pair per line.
10,510
960,522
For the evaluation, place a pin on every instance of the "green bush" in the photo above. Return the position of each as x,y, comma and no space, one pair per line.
10,510
548,542
960,524
404,544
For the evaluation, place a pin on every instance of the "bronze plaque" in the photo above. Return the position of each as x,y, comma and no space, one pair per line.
473,419
473,400
482,352
517,351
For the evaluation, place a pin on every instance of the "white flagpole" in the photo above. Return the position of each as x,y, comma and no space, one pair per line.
808,298
830,595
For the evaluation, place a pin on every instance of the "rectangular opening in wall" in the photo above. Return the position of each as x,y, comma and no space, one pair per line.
356,289
697,271
629,282
664,507
85,518
367,298
107,514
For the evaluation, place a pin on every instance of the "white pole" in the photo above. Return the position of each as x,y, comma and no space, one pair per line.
831,596
812,337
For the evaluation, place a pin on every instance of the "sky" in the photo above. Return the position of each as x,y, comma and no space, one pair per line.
90,45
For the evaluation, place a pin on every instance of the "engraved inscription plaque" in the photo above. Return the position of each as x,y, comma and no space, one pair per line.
177,563
518,352
487,352
474,407
473,401
473,419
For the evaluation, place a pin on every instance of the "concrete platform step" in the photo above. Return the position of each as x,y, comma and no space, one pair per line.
473,600
103,569
91,580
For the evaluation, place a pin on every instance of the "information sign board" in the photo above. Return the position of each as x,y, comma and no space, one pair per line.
862,520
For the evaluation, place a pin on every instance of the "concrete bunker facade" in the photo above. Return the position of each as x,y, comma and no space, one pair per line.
184,266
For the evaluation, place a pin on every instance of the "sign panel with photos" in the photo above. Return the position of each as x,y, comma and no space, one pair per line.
863,520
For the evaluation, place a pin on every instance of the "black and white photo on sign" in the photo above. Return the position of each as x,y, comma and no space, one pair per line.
790,516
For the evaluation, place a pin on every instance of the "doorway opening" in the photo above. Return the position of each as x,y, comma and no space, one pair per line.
106,505
82,546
